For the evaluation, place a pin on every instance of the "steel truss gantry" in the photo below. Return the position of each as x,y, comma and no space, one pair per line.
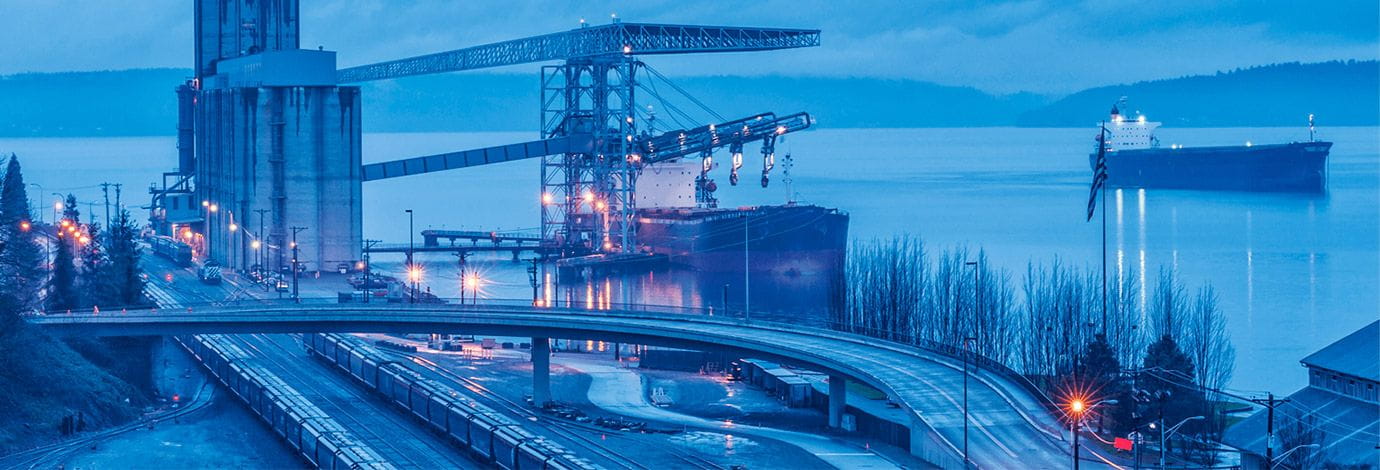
587,197
591,151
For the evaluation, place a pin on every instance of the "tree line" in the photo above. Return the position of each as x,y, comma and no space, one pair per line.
1161,350
66,264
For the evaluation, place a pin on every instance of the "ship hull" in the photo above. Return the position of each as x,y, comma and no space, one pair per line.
1295,167
785,240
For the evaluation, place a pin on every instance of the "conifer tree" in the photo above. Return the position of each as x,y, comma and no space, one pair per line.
122,284
62,286
21,259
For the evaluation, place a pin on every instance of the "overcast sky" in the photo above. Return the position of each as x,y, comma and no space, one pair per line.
1042,46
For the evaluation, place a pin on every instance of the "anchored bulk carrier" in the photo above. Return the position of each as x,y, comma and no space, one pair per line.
1136,159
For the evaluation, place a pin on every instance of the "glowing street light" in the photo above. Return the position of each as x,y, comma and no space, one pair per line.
255,244
214,208
233,227
546,198
414,274
24,225
205,203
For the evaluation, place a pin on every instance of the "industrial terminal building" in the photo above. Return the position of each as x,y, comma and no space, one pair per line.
276,143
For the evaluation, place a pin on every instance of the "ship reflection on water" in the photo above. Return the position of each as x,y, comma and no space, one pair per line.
797,298
789,297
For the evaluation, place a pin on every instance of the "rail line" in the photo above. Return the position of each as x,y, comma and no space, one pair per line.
47,456
557,426
332,406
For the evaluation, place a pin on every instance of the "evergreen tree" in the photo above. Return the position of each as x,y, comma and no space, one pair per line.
62,288
122,284
21,260
1168,383
1102,370
92,258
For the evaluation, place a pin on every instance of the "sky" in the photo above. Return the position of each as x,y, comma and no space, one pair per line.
1041,46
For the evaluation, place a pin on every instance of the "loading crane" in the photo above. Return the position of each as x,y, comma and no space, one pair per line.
590,146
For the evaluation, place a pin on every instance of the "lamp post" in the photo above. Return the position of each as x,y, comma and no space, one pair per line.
262,255
1165,434
1077,409
966,341
1280,460
747,274
412,297
977,291
296,297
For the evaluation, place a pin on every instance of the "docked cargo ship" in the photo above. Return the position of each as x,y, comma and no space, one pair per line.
787,239
1136,159
682,223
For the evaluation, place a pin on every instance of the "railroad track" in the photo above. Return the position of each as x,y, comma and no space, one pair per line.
398,454
568,429
51,455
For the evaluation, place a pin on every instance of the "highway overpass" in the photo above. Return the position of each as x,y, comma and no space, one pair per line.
1008,428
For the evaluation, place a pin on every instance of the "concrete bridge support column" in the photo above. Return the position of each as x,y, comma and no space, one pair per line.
838,399
541,372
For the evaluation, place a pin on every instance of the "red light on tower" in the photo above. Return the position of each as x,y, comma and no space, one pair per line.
176,398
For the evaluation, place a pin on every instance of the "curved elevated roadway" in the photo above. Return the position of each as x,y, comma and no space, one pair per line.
1008,427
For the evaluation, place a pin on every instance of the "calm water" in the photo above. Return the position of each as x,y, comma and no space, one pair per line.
1293,272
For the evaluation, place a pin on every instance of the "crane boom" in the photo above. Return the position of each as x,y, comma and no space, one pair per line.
590,41
667,146
677,144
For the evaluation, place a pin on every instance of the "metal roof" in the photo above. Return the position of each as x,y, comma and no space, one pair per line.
1349,424
1358,354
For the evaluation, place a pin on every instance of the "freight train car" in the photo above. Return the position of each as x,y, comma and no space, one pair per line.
168,247
305,428
490,436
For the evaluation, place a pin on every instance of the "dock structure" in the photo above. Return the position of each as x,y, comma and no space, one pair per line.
432,238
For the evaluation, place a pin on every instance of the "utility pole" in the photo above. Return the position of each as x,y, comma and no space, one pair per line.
296,297
532,276
118,206
105,190
1270,402
368,281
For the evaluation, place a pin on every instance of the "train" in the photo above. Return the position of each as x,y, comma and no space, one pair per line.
490,436
312,433
168,247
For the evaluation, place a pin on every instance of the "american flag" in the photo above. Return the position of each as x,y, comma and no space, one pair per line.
1099,171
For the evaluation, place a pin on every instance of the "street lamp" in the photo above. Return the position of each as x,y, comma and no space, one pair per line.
966,341
976,300
1077,409
412,298
473,283
1165,434
1280,460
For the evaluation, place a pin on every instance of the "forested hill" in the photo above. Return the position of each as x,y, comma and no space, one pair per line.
1339,93
141,102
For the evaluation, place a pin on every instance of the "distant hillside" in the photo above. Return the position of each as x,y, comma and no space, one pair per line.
141,102
1339,93
123,102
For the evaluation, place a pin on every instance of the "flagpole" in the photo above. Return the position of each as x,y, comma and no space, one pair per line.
1102,149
